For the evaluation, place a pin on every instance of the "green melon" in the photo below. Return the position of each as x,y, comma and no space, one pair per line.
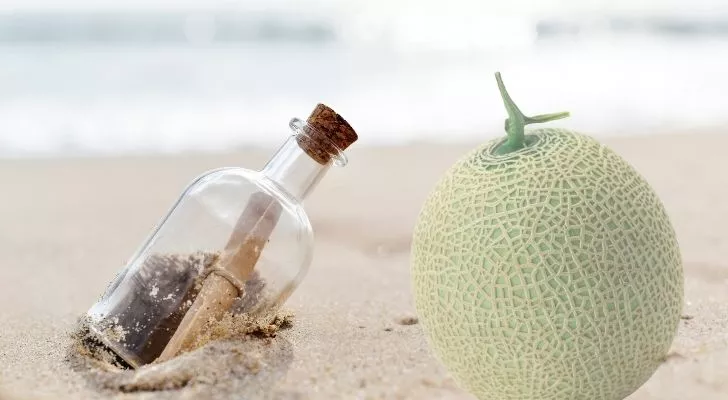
545,267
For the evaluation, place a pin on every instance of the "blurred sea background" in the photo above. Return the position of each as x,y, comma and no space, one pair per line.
107,77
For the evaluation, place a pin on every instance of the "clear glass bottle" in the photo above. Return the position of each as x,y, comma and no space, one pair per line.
236,240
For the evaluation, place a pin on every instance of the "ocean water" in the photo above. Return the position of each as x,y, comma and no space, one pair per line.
140,82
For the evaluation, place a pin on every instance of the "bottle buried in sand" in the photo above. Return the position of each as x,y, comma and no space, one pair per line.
236,241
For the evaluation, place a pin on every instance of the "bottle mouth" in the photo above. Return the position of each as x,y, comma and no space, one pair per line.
302,128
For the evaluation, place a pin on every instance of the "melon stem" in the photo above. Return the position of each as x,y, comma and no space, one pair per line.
516,122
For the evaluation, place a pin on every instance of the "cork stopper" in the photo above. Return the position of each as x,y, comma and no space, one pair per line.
327,133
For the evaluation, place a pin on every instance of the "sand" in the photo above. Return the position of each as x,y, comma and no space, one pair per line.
67,226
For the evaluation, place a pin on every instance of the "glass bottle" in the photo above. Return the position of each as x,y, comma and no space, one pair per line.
236,240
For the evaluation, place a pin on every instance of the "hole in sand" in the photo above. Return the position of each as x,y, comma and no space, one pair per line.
238,351
234,350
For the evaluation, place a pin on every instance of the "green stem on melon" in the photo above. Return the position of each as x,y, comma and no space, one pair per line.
516,121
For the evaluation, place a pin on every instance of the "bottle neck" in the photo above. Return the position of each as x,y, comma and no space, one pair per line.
294,169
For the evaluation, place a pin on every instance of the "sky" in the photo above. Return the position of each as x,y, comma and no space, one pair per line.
384,6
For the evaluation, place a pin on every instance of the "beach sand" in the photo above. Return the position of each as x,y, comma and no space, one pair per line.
67,226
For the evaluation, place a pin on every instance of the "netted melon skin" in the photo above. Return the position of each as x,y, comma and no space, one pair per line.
550,273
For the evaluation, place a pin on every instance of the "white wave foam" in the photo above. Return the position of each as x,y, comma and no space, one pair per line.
397,77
